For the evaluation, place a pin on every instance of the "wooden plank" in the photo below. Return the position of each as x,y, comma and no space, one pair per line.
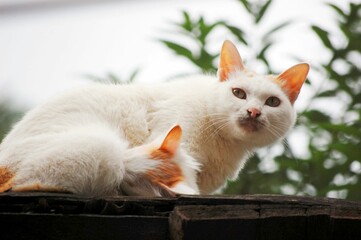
66,216
319,223
348,228
214,222
87,227
282,222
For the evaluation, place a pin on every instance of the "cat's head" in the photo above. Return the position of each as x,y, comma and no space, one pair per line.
161,168
259,108
176,171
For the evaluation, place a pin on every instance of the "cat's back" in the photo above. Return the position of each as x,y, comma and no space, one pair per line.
121,107
93,103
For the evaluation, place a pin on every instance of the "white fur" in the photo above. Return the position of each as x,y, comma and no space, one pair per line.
85,136
136,162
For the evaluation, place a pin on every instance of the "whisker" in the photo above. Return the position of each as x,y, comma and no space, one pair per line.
215,127
276,130
220,128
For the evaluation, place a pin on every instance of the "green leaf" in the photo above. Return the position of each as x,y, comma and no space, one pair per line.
262,54
205,61
262,11
205,29
316,116
93,78
187,22
356,100
341,128
277,28
133,75
246,6
8,117
238,33
347,151
328,93
112,78
178,49
323,35
337,9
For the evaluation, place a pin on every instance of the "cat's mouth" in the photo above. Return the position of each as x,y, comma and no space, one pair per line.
250,124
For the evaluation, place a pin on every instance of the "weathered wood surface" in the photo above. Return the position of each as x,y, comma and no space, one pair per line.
65,216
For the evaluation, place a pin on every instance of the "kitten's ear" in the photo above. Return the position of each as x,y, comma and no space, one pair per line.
292,80
172,141
230,60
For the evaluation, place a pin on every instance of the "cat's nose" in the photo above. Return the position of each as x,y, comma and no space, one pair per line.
253,112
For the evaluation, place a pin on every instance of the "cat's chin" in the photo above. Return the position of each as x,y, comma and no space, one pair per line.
252,131
250,125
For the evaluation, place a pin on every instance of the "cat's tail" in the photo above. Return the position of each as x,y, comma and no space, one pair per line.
6,179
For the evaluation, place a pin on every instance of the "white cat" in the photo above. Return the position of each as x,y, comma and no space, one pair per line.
224,120
154,169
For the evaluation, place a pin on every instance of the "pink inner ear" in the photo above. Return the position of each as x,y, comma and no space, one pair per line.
292,80
230,60
172,140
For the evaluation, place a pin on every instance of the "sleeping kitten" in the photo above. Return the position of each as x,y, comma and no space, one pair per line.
224,120
160,169
148,170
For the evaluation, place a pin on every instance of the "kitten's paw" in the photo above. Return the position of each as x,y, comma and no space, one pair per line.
183,188
179,189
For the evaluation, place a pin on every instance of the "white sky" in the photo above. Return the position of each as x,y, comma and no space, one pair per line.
46,51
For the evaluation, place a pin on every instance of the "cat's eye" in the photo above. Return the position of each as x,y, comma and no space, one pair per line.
239,93
273,101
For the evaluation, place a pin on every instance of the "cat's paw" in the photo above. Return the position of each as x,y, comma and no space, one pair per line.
6,179
184,188
179,189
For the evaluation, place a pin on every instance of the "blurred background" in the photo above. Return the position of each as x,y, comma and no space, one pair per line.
48,46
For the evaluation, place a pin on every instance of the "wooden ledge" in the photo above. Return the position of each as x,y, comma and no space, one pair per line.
66,216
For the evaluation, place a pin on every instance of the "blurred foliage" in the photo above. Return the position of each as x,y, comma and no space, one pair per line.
111,78
199,31
7,118
333,165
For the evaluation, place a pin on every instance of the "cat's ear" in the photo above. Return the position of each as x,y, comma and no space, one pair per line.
172,141
230,60
292,80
